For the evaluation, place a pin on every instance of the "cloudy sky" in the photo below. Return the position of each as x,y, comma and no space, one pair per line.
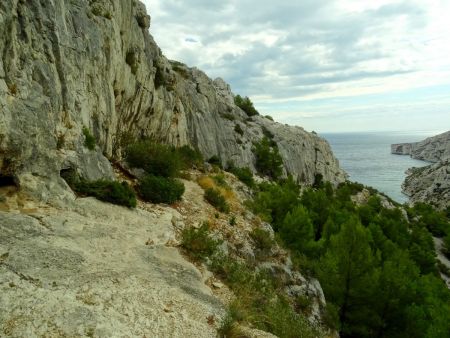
327,65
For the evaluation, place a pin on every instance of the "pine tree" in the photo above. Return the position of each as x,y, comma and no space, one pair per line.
349,277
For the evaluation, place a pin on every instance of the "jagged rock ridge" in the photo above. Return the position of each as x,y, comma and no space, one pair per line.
66,65
429,184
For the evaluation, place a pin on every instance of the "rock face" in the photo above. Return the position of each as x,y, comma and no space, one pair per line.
432,149
431,183
67,65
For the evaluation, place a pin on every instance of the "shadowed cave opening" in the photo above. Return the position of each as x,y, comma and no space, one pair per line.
7,181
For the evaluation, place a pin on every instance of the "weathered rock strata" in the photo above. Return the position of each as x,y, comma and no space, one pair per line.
66,65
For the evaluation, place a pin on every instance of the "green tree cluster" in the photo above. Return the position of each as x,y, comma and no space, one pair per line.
377,268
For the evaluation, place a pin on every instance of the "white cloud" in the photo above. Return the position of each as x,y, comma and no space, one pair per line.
296,52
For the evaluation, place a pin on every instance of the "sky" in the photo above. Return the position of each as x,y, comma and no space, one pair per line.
326,65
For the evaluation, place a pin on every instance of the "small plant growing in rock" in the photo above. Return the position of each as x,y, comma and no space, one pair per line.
157,189
12,88
89,139
198,242
238,129
232,221
262,239
217,200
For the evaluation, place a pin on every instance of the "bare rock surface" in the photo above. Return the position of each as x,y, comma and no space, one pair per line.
90,270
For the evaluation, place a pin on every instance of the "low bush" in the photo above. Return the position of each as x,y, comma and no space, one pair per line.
219,179
198,242
190,157
262,239
228,116
246,105
245,175
156,159
217,200
89,140
157,189
108,191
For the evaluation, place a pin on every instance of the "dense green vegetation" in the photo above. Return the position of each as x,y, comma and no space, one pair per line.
155,158
378,269
158,189
104,190
161,163
246,105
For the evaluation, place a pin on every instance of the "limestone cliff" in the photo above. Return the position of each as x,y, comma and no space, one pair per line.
65,65
433,149
431,183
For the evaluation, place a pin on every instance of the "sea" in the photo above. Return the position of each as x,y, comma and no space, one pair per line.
367,158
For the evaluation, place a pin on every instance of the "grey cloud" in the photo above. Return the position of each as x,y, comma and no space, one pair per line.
307,26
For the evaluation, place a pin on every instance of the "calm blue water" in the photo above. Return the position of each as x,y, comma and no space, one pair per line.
367,158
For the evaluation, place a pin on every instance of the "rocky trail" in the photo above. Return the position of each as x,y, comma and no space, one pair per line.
95,269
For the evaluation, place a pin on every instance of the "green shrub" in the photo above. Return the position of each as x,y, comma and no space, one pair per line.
89,140
245,175
220,180
246,105
217,200
190,157
228,116
268,160
269,117
267,133
156,159
198,242
262,239
238,129
158,189
108,191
